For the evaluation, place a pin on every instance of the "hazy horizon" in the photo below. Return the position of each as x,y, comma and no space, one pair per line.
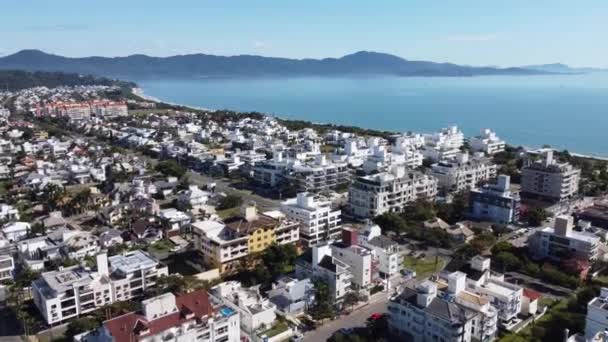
471,32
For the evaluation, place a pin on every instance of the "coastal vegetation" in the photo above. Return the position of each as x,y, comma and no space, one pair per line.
18,79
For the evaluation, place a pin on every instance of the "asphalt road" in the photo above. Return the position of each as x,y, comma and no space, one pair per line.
355,319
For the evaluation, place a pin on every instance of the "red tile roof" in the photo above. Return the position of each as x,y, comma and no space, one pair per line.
533,295
132,326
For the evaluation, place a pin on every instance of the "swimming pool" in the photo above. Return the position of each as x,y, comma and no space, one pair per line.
226,311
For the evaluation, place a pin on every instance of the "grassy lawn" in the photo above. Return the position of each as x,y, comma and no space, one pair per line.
277,329
161,246
226,213
424,267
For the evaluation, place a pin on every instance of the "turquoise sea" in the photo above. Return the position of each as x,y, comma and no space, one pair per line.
566,112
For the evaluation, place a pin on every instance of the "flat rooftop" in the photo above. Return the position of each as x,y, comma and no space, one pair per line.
131,262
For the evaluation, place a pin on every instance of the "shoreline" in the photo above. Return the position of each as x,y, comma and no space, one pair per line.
140,93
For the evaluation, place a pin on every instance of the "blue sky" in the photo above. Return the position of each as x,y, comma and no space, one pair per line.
501,33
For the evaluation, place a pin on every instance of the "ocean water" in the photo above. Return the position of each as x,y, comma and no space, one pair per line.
565,111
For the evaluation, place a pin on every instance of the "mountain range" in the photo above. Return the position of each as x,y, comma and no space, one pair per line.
203,65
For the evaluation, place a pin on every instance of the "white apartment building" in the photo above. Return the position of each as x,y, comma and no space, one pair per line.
271,172
495,202
420,315
224,243
485,324
444,144
381,158
73,291
386,251
597,315
190,317
320,175
319,222
462,172
549,179
7,265
319,264
562,242
374,195
507,298
487,142
361,262
255,311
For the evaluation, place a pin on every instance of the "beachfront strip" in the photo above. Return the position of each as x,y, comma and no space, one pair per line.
184,225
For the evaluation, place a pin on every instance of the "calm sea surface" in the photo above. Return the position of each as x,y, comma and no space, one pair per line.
566,112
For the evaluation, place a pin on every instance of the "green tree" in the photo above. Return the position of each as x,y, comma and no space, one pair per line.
170,168
507,261
323,307
230,201
80,325
536,216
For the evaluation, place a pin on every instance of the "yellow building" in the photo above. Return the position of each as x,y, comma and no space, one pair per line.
225,244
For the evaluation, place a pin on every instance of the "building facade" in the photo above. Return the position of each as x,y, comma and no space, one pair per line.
562,242
495,203
548,179
319,222
420,315
224,244
191,317
374,195
487,142
462,172
73,291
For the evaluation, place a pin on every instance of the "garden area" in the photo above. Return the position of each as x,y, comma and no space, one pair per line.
424,267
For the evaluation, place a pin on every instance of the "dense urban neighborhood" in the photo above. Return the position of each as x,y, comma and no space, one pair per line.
123,218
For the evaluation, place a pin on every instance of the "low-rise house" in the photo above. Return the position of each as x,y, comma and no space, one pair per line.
168,317
319,264
54,221
386,251
144,230
8,213
292,297
110,237
15,231
174,222
193,199
34,252
255,311
458,232
79,244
